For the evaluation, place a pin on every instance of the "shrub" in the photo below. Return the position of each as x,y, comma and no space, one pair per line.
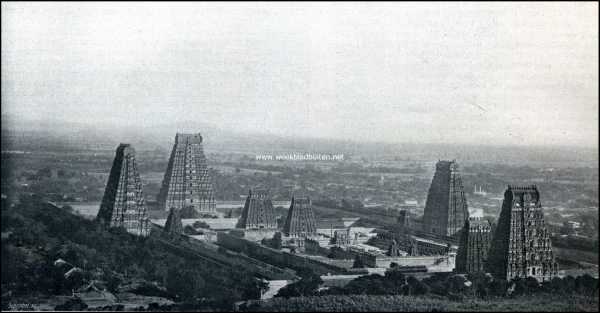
200,224
586,284
416,286
307,286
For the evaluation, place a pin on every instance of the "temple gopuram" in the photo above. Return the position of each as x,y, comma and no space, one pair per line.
123,202
521,245
258,212
474,246
187,185
300,221
446,207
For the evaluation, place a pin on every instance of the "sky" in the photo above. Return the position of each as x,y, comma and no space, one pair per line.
470,73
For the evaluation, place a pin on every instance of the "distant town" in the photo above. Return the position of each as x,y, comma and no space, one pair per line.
340,220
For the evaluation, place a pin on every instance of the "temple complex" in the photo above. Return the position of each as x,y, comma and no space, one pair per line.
123,202
474,246
521,245
300,221
258,212
187,185
446,206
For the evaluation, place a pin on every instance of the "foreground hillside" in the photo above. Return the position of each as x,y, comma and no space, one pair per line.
50,253
373,303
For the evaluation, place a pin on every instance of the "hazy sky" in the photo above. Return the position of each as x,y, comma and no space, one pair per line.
523,73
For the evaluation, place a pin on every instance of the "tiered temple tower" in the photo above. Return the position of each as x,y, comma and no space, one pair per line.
173,224
403,222
474,246
123,202
187,185
300,221
446,207
258,212
521,245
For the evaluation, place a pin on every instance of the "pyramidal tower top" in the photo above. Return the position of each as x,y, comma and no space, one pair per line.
187,184
123,202
300,221
521,245
446,207
258,212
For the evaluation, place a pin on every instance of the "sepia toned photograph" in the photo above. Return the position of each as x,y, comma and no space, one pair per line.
299,156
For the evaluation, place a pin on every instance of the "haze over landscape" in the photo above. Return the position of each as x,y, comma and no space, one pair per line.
310,157
397,73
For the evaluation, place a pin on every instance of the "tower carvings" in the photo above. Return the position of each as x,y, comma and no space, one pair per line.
300,221
258,212
446,206
187,185
123,202
474,246
521,244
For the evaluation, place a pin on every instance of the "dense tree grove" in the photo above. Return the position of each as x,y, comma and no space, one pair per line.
456,287
447,285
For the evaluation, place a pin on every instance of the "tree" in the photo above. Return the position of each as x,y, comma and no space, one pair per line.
276,242
307,286
497,287
416,286
113,281
201,224
189,230
586,284
525,286
187,283
456,283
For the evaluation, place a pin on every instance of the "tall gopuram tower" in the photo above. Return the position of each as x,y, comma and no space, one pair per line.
123,202
446,206
258,212
521,245
300,221
187,185
474,246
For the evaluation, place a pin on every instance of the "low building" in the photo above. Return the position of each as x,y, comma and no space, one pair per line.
341,238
